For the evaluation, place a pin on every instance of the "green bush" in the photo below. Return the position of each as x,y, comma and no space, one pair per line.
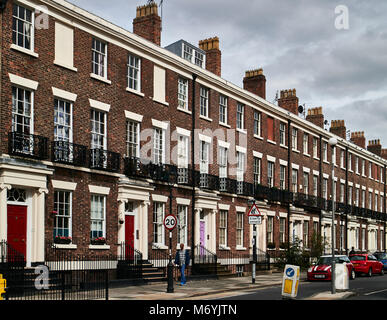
294,254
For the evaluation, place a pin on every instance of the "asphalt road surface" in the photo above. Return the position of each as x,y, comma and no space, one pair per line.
374,288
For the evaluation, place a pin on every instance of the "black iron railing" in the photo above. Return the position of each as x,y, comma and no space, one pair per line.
69,153
206,181
130,262
28,145
104,160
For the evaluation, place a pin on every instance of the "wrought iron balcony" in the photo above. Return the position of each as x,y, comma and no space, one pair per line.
228,185
104,160
69,153
28,145
245,188
184,176
141,168
206,181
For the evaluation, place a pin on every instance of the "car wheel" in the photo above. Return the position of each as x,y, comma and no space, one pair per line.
353,274
369,272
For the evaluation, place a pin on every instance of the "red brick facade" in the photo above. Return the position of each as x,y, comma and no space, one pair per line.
113,92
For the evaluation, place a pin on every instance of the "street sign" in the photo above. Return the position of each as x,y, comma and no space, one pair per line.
255,216
170,222
254,211
255,219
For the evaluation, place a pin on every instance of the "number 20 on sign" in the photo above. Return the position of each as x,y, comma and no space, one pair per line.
170,222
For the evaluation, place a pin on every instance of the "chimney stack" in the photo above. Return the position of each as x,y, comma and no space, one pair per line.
289,101
383,154
147,23
213,55
358,139
375,147
255,82
316,116
338,128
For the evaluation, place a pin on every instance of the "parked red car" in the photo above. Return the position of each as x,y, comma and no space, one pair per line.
366,263
322,269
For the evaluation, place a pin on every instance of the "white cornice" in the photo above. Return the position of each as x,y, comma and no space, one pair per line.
117,35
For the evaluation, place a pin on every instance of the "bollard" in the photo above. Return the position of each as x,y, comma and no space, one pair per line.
3,286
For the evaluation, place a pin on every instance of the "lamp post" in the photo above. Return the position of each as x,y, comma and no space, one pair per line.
333,142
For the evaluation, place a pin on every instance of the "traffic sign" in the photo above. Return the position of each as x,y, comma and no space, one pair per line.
254,211
255,219
170,222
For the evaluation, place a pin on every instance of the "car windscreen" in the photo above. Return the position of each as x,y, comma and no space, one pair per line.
381,256
357,258
327,260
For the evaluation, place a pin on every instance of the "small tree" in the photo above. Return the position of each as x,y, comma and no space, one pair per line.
294,254
317,245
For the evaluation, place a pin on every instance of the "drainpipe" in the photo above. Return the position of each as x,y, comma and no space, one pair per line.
346,200
384,207
289,176
194,76
3,4
321,184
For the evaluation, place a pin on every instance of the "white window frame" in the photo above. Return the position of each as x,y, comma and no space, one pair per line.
239,229
294,139
223,162
95,133
270,174
305,142
103,197
182,212
257,168
240,166
182,94
257,123
204,101
58,215
158,223
223,109
97,65
31,103
30,23
222,227
158,149
134,68
282,129
282,177
240,118
58,124
315,147
132,138
204,154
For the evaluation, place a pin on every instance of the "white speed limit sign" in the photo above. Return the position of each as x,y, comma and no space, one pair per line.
170,222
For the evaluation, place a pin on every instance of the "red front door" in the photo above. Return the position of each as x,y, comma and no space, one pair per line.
129,236
17,228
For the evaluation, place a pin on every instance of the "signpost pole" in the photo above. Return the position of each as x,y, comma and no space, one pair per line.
254,252
170,288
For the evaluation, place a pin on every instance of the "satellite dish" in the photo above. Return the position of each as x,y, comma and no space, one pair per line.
300,109
326,122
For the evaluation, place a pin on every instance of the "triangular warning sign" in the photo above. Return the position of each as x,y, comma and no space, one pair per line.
254,211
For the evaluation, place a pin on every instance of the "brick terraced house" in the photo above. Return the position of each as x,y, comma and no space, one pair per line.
103,133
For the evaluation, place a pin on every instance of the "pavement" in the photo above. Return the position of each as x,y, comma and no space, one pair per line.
210,289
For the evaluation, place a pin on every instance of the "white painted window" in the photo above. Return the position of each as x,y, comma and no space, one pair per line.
204,101
306,183
257,170
134,73
22,110
223,228
182,229
294,180
158,219
363,198
315,186
282,177
257,123
187,52
315,147
240,166
223,156
204,157
132,139
239,229
325,151
99,58
199,59
63,128
98,216
270,174
98,129
158,146
270,229
325,189
306,143
294,138
23,27
282,133
183,93
223,102
240,121
182,151
63,213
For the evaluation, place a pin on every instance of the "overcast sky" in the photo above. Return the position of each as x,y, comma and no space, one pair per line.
295,42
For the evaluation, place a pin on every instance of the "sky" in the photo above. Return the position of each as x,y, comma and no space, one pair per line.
334,53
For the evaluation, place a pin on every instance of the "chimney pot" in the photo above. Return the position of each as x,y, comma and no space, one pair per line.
255,82
147,23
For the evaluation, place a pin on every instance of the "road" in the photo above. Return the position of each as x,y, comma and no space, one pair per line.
374,288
